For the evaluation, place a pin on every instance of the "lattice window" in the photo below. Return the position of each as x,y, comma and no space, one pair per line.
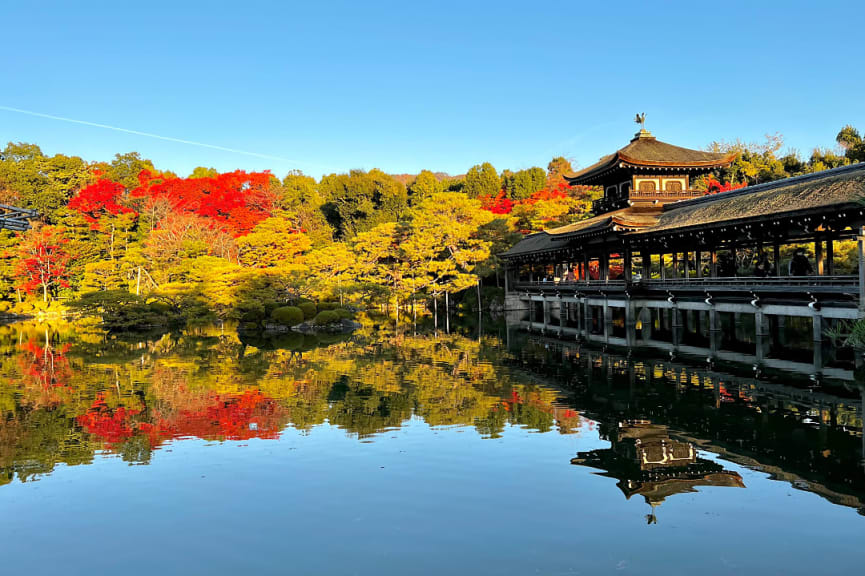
647,186
673,186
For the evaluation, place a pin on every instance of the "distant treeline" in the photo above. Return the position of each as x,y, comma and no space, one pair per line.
237,245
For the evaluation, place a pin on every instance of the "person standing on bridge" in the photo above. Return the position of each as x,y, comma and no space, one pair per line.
799,264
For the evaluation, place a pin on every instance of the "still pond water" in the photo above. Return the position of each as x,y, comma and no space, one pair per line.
209,453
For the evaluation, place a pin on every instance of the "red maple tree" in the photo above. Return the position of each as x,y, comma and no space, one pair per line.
714,186
98,199
233,201
42,261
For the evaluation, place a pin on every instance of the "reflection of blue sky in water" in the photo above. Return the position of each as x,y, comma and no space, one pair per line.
411,498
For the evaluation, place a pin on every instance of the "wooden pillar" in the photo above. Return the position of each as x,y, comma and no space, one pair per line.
860,243
713,263
675,264
687,264
604,266
776,256
735,262
586,267
663,269
629,276
698,262
818,256
647,265
830,256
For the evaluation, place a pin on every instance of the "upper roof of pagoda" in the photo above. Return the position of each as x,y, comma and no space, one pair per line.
646,151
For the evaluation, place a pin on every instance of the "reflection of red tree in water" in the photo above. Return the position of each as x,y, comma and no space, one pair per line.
230,417
112,425
250,414
45,367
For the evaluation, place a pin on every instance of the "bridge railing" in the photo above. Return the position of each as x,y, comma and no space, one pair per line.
842,282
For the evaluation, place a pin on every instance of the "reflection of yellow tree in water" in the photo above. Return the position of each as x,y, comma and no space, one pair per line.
131,396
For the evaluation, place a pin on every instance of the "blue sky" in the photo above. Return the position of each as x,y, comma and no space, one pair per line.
330,86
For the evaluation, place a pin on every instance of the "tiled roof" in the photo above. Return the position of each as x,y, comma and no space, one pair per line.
646,150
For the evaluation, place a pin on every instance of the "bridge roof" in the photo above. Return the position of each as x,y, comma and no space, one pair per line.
836,188
830,192
624,220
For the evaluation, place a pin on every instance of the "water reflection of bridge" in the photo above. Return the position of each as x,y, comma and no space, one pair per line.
805,433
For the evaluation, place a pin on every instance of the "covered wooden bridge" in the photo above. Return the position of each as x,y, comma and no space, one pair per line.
759,274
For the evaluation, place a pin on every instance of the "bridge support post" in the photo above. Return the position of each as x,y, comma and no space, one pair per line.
714,331
546,305
608,321
818,342
676,325
563,314
761,336
587,319
630,323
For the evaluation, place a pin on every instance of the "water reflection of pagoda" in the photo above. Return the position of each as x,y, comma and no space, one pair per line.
648,462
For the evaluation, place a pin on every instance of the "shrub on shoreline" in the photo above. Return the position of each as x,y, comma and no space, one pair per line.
309,310
288,315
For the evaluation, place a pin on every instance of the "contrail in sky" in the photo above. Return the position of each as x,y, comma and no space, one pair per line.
148,134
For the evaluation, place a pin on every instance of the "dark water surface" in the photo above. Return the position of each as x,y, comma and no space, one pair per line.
209,453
